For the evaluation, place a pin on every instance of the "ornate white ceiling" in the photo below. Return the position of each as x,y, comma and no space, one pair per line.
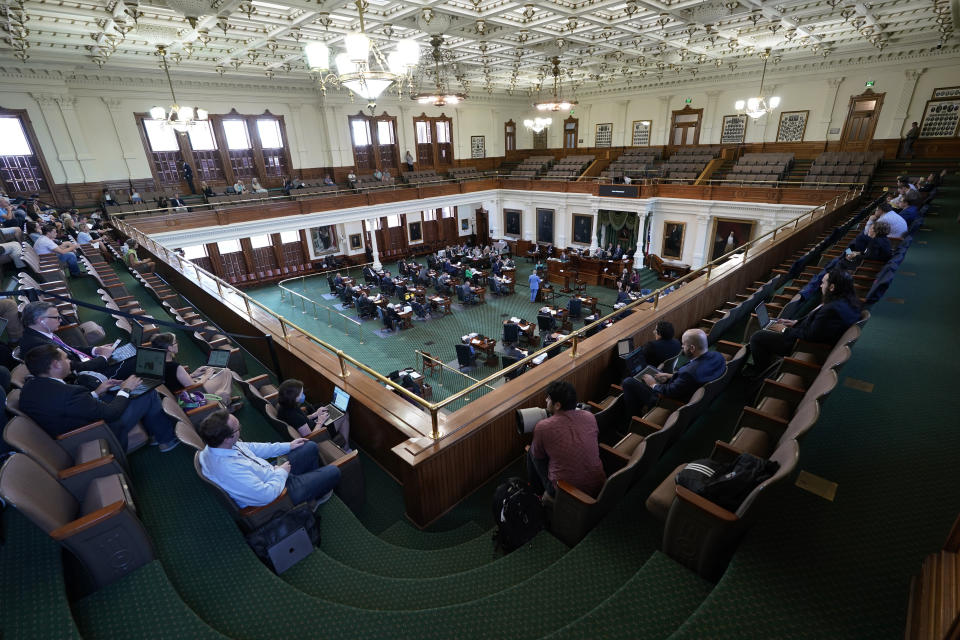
491,46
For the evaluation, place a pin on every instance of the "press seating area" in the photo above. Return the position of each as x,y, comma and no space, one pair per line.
420,177
464,173
689,162
761,167
569,167
842,167
632,162
369,183
532,167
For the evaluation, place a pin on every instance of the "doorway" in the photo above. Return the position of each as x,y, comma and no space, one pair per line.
862,116
685,127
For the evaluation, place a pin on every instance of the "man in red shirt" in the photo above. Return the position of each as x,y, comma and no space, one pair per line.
565,445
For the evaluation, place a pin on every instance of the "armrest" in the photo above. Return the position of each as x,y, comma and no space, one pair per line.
75,470
88,428
219,342
255,381
343,461
702,504
67,326
753,418
251,511
728,347
616,387
77,479
88,521
781,391
195,385
817,348
272,397
805,370
574,493
197,414
670,403
319,434
594,405
612,459
724,452
124,298
643,427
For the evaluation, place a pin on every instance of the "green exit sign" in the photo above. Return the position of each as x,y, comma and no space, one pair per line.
869,83
688,101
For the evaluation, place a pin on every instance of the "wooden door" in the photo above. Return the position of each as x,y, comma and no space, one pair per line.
862,116
444,136
509,136
483,226
570,132
424,136
363,151
685,127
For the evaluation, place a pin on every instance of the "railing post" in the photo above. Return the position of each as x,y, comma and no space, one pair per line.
656,299
246,303
576,341
219,288
303,304
329,318
434,423
709,269
315,312
283,329
343,364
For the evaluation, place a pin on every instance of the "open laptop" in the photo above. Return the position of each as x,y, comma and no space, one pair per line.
624,347
149,368
338,406
218,358
767,323
127,351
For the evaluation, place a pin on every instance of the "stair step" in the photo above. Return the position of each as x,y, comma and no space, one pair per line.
32,589
141,605
403,534
652,604
315,574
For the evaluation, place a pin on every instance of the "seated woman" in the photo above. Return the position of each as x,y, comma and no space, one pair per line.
134,262
215,381
870,245
135,197
292,408
238,187
206,190
256,187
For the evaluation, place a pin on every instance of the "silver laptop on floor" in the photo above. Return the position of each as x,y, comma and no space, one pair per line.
766,322
338,406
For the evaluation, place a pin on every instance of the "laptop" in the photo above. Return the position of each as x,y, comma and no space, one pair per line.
649,370
218,358
624,347
766,322
127,351
149,368
338,406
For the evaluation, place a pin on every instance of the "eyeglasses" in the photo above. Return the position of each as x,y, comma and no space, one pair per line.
56,317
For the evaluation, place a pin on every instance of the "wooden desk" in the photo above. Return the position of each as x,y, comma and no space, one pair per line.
486,345
589,303
441,304
591,270
481,293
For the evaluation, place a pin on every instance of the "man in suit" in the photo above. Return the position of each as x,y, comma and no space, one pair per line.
825,324
60,407
188,176
655,352
41,320
704,366
617,252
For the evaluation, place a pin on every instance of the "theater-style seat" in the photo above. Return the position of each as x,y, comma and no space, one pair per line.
101,530
248,518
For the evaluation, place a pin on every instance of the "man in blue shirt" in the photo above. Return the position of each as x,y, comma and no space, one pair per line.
239,468
534,286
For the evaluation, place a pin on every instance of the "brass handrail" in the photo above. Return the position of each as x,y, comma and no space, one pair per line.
574,337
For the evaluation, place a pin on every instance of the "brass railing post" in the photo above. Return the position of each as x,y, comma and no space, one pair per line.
246,302
709,269
576,341
315,312
219,288
343,364
329,318
283,328
435,423
656,299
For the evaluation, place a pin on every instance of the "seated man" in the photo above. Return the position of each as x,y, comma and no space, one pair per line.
704,366
911,212
663,347
47,243
511,351
565,445
825,324
898,226
41,320
239,467
328,181
60,407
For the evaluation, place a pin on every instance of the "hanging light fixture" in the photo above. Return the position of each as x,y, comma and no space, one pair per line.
557,104
759,106
442,96
177,116
355,70
537,124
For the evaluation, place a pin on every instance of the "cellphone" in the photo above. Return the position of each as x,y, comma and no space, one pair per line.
281,460
114,345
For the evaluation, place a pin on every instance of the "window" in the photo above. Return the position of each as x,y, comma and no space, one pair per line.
162,137
385,132
393,221
289,236
228,246
13,140
447,212
423,132
269,130
258,242
194,252
201,136
443,132
236,133
361,132
429,215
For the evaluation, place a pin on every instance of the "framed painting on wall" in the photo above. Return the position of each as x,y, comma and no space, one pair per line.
940,119
582,228
673,233
946,92
734,129
355,241
545,226
792,126
728,235
511,222
415,231
604,135
323,240
478,147
465,224
641,133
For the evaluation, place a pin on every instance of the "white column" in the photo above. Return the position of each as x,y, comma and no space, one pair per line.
294,137
131,151
897,128
829,104
494,217
664,119
529,218
702,243
596,227
373,245
85,159
709,118
59,135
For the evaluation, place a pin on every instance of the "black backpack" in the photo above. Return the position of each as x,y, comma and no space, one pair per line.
280,527
726,484
517,513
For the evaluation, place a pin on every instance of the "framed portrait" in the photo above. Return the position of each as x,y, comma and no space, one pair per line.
478,147
582,228
940,119
641,133
604,135
465,224
792,126
355,241
734,129
415,231
673,233
729,235
545,226
323,240
511,222
946,92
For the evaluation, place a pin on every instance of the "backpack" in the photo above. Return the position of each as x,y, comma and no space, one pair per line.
281,527
726,484
517,513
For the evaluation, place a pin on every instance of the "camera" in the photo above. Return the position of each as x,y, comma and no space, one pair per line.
527,419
